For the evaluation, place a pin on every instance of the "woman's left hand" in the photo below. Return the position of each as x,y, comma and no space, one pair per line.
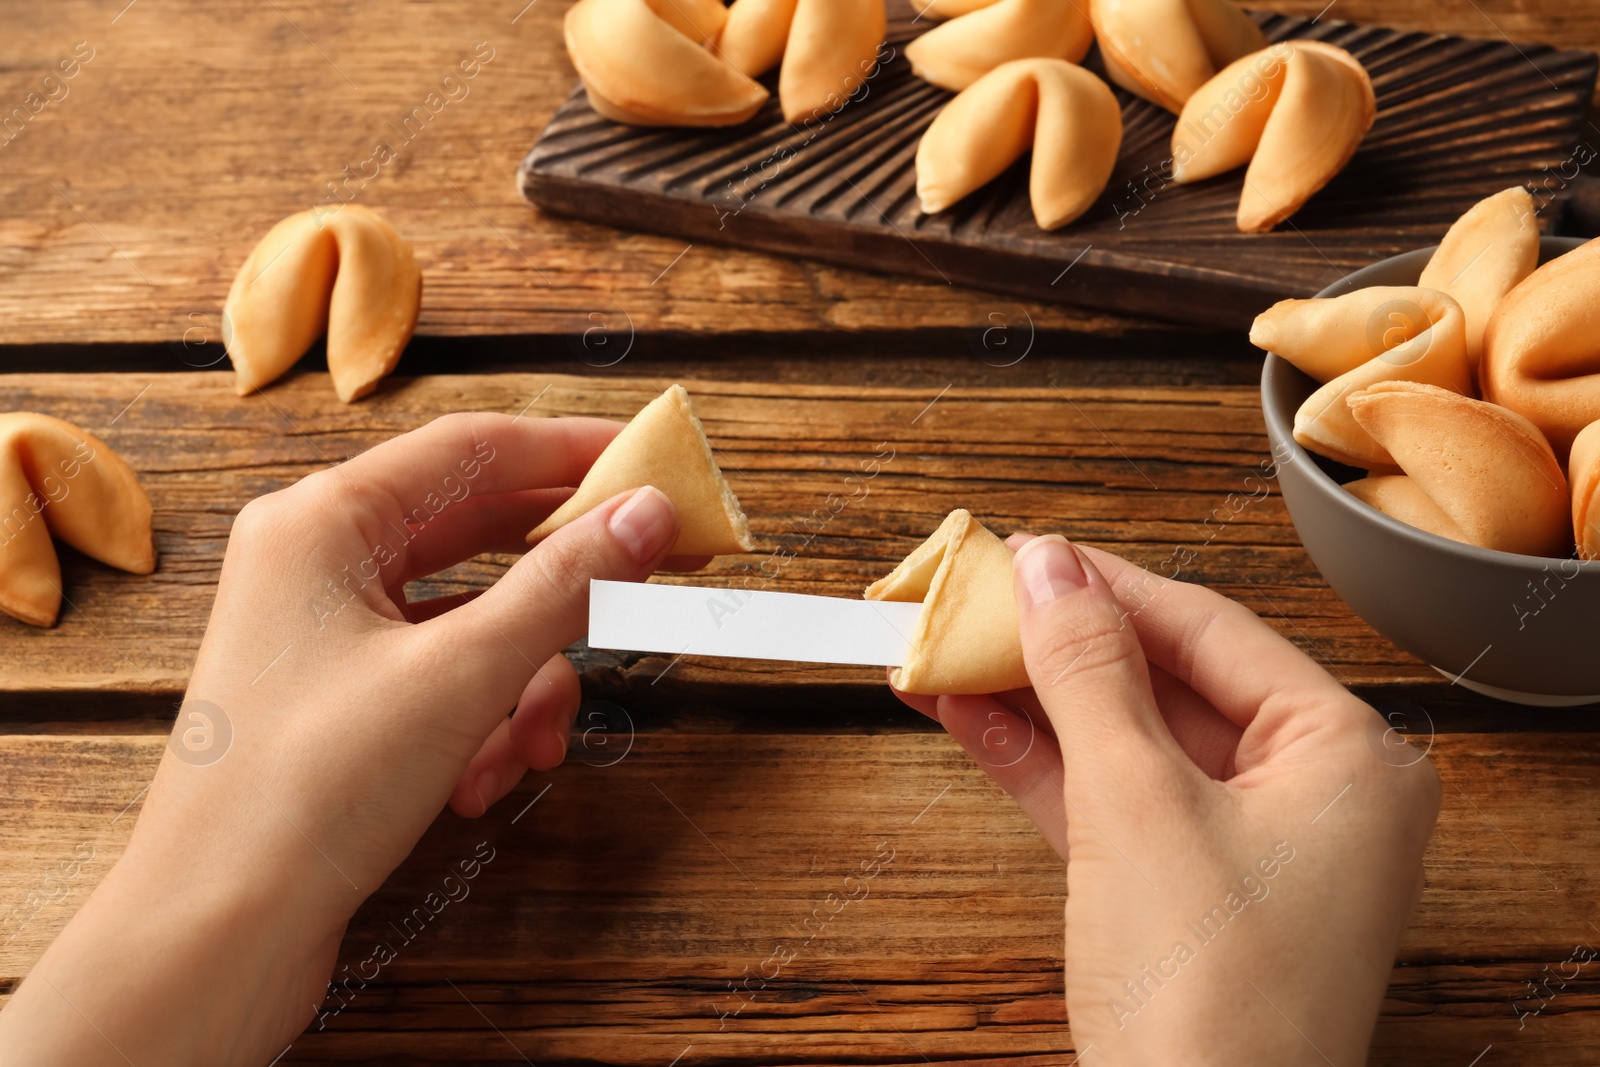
327,722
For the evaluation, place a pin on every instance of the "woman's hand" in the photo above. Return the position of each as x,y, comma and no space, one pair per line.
1243,839
327,723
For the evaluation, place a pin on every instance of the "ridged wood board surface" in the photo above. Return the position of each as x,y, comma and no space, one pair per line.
1148,472
1457,119
618,909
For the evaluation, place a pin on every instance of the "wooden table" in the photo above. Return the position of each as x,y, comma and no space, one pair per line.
716,805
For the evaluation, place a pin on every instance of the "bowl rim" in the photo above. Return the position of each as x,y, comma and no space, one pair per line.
1274,365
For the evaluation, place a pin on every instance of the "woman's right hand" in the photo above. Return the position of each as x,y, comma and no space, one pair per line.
1243,837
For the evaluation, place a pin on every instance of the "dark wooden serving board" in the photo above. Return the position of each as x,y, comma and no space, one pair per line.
1458,119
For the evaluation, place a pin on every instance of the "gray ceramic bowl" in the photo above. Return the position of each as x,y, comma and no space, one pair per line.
1519,628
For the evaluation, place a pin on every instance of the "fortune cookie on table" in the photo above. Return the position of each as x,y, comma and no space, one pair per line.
1163,50
828,48
1473,471
1294,111
648,63
1583,474
62,481
1541,352
1069,117
344,272
1483,256
1354,341
664,446
967,638
955,55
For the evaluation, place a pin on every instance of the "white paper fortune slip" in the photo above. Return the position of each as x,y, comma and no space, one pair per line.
747,624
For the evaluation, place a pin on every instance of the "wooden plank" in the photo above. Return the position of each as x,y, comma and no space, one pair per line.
211,146
1457,120
1143,471
606,928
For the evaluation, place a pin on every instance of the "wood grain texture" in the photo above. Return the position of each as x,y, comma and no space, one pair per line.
608,925
1145,472
199,123
1457,121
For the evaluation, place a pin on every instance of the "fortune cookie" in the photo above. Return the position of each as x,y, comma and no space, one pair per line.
828,48
1294,111
1351,342
1069,117
58,480
1583,472
1163,50
1473,471
967,638
664,446
938,10
955,55
1483,256
1541,352
344,272
647,63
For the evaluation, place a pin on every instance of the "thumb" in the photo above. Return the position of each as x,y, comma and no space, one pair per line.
496,642
1086,665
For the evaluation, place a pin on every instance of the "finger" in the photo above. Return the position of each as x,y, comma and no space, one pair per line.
1024,700
1016,751
1207,736
927,705
489,775
1086,665
541,605
542,724
484,451
486,522
497,523
1027,702
423,610
1218,648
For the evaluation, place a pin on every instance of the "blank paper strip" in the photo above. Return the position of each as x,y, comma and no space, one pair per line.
699,621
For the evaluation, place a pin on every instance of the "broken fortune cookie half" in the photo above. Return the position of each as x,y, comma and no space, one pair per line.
62,481
666,447
967,639
342,271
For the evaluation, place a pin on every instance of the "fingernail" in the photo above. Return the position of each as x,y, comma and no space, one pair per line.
644,524
482,788
1050,569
